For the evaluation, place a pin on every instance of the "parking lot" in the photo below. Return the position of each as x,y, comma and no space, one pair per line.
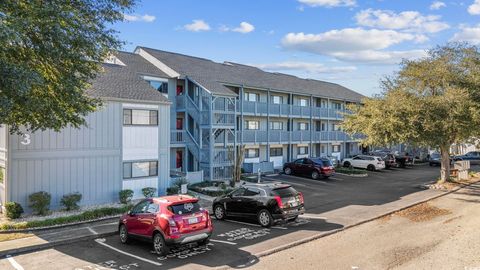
331,204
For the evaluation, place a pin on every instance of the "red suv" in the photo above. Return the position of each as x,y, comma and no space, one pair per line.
166,221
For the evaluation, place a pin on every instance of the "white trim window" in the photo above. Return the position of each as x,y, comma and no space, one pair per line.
276,152
252,97
336,127
303,102
276,125
303,150
160,85
140,169
337,106
133,117
252,153
336,148
303,126
277,99
252,125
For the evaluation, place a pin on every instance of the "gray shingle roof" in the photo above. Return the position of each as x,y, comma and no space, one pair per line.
212,75
124,82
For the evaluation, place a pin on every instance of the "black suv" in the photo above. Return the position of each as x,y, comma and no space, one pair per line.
264,202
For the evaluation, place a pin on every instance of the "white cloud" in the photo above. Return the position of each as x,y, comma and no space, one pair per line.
468,34
138,18
411,21
348,39
436,5
307,67
329,3
244,28
197,26
474,8
354,44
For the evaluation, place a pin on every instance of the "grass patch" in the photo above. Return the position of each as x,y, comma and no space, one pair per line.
350,170
85,216
13,236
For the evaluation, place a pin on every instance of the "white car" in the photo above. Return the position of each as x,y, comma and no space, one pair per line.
370,163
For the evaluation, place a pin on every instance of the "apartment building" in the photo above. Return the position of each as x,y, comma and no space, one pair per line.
125,144
278,117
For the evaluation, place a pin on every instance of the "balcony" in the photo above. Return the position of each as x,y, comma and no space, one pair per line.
301,136
297,136
302,111
177,137
180,102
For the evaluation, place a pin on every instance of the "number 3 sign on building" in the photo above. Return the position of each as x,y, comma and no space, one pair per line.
26,139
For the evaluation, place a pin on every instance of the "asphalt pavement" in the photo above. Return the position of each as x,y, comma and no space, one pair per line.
332,205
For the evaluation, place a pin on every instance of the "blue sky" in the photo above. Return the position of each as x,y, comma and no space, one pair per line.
350,42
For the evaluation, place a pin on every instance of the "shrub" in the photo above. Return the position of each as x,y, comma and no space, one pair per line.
125,195
13,210
172,190
149,192
70,201
40,202
223,186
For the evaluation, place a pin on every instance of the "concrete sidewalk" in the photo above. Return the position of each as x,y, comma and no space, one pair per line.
43,239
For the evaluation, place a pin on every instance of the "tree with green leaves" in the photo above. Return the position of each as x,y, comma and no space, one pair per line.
49,52
433,102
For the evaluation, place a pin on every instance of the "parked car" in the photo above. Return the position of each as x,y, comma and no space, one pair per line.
472,156
370,163
313,167
435,159
404,160
332,159
264,202
166,221
388,158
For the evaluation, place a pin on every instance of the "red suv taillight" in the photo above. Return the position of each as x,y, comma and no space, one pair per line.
301,197
172,225
279,201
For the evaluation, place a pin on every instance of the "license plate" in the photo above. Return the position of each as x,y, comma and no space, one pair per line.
192,220
293,203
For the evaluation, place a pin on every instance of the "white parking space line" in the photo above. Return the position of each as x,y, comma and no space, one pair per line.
14,263
304,179
92,230
336,178
220,241
102,242
255,225
283,181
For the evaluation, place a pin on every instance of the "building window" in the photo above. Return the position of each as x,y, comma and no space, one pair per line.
252,153
335,148
276,152
140,169
140,117
323,127
277,99
337,106
253,97
323,148
303,102
161,86
302,126
252,125
276,125
302,150
336,127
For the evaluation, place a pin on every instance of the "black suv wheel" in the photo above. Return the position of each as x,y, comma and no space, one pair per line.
264,218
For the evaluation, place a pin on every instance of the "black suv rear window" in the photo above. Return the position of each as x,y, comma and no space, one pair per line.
284,192
185,208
